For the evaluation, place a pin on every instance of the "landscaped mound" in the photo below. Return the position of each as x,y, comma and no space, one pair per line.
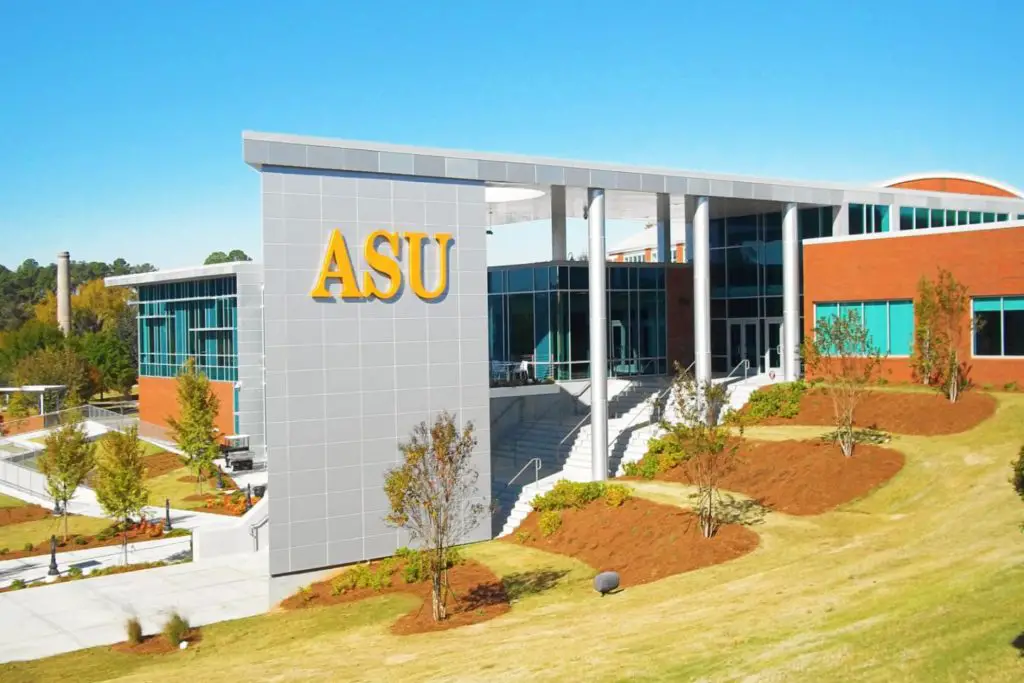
23,513
144,531
641,540
478,594
913,413
801,477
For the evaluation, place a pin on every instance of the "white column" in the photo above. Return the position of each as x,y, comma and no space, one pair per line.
841,220
598,337
790,294
664,228
558,223
702,289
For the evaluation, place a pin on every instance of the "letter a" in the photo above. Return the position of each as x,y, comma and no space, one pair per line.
336,266
416,264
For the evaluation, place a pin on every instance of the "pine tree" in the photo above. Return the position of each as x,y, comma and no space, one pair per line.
194,431
119,480
67,461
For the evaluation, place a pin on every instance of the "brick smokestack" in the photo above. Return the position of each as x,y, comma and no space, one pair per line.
64,292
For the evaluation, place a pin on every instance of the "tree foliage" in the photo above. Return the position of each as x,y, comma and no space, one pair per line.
433,496
30,283
94,307
113,361
704,438
120,479
66,462
24,341
942,317
59,365
195,431
230,257
843,354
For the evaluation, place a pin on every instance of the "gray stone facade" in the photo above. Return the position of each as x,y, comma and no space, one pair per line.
347,380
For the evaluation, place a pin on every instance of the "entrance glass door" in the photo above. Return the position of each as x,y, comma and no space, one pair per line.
773,334
744,343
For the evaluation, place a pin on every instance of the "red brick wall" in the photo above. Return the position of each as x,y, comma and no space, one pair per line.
20,425
158,400
989,262
679,311
647,255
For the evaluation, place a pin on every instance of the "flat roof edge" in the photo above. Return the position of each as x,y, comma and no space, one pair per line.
179,274
956,230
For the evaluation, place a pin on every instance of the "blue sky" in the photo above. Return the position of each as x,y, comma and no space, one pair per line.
120,127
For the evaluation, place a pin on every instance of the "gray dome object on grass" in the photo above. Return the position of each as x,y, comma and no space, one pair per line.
606,582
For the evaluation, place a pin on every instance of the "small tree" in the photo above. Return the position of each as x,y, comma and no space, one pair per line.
432,495
925,359
842,353
194,431
942,310
698,410
66,462
119,480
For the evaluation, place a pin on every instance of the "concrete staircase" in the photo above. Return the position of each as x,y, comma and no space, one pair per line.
563,448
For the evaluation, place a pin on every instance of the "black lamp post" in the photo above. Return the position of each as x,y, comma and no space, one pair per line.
167,513
53,557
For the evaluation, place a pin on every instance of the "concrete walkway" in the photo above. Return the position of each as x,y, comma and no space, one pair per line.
49,620
29,569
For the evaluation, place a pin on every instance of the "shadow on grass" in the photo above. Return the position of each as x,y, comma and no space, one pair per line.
1018,643
522,584
744,511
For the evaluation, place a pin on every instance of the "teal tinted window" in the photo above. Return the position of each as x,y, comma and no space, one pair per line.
950,219
1002,217
988,217
938,218
856,215
876,321
990,304
901,327
961,218
920,219
890,324
999,326
974,217
881,216
1013,303
906,218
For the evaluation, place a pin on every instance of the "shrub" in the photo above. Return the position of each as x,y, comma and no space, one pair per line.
18,584
1018,474
663,453
177,629
1010,386
646,467
365,576
75,572
523,536
106,534
776,400
569,494
550,522
134,630
28,547
4,551
81,540
617,494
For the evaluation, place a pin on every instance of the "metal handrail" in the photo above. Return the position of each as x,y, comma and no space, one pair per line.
573,430
657,397
536,462
254,532
745,364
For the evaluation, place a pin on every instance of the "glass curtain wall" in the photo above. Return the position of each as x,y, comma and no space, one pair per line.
194,319
541,314
746,284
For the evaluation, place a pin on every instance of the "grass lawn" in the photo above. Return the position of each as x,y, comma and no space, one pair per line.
15,536
169,486
921,580
9,502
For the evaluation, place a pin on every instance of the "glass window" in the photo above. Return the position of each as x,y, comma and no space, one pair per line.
856,215
876,315
740,230
743,308
1002,217
988,333
881,217
1013,331
773,306
809,221
998,326
742,267
717,273
906,218
826,221
649,278
618,277
901,327
988,217
961,218
542,279
920,219
938,218
716,236
495,281
541,327
950,219
579,278
890,324
718,308
974,217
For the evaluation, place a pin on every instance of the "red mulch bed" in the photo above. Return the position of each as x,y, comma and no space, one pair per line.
160,464
911,413
481,597
43,547
211,483
641,540
802,477
24,513
156,644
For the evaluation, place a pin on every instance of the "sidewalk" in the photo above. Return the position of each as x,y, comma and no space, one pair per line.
30,569
44,621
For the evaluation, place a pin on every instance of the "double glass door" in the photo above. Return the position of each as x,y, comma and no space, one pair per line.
759,342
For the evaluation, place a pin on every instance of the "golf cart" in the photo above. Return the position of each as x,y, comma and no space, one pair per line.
235,450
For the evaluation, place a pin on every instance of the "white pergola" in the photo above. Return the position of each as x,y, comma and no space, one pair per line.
41,389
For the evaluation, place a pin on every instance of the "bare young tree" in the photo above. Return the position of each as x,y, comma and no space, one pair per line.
843,354
433,496
66,462
699,429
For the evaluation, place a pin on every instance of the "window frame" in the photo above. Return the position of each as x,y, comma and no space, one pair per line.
1002,327
862,305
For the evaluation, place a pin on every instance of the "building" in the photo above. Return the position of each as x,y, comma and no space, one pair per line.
374,308
642,247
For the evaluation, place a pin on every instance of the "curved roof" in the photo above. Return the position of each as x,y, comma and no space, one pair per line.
960,183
